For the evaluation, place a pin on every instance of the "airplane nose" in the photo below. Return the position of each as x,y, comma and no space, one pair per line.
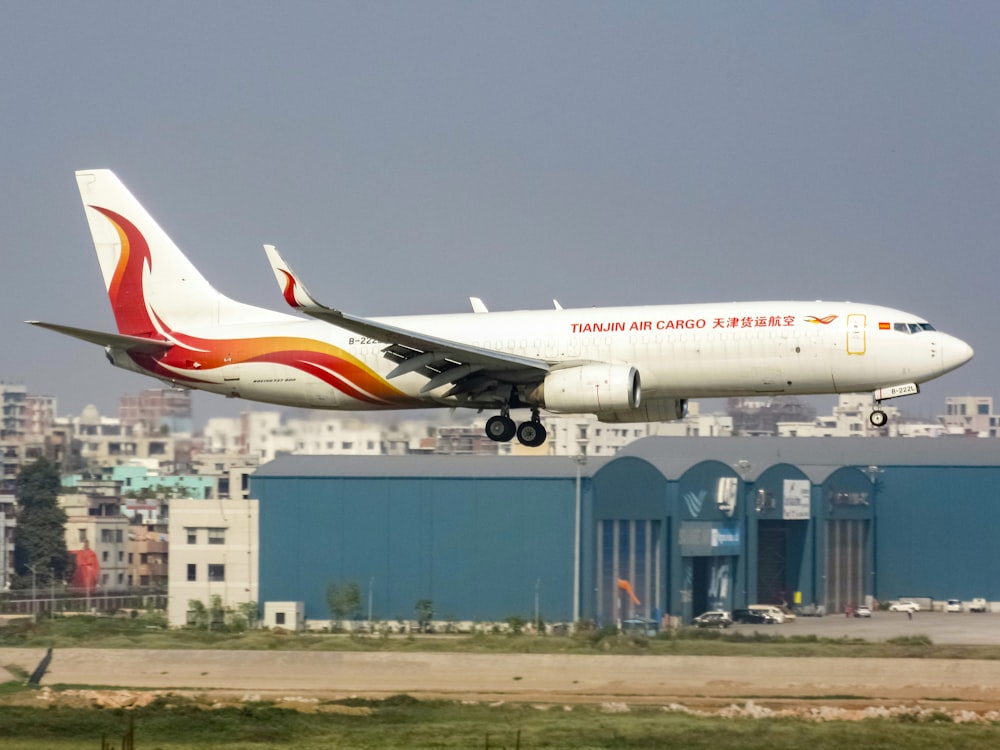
954,353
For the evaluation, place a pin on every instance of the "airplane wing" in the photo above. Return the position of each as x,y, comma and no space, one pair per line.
135,344
474,373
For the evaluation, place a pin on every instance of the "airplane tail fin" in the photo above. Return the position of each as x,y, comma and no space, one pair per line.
152,285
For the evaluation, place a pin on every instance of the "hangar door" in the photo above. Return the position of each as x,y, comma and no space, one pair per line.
847,563
772,563
629,564
780,549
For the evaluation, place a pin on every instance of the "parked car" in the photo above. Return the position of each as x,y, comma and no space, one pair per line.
752,617
810,610
863,611
978,605
772,611
640,626
904,606
713,619
953,605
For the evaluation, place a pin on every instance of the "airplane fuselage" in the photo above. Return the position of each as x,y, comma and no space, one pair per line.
680,351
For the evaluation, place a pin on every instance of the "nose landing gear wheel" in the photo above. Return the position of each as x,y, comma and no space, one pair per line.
500,428
878,418
531,434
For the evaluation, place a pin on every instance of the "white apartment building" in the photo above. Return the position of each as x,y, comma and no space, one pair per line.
337,436
571,434
213,551
104,441
231,471
13,409
970,415
263,435
850,419
8,530
223,435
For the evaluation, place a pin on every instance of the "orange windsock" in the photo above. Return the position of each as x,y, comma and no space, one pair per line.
627,588
88,569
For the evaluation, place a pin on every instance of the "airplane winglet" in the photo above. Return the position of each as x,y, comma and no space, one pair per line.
417,343
292,288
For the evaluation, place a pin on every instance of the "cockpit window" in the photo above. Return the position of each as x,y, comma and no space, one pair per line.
901,327
926,327
912,327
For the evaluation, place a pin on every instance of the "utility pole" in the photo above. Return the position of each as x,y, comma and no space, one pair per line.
34,603
538,584
581,460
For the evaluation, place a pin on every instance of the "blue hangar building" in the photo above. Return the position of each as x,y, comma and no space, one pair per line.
669,526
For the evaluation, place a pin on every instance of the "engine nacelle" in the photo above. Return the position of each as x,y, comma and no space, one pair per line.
589,389
655,410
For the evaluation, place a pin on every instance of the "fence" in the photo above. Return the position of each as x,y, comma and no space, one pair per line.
98,602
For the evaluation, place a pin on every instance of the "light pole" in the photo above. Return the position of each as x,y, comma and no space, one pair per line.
873,472
371,585
34,604
538,583
581,460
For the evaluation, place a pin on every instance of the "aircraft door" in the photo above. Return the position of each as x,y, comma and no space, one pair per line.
856,342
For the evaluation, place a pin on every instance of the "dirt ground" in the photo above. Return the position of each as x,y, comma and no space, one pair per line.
795,685
758,686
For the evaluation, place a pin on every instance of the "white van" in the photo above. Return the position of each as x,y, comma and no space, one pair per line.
769,610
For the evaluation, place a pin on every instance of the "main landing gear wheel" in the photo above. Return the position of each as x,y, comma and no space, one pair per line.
500,428
878,418
531,434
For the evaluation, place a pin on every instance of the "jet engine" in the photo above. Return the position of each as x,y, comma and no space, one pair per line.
654,410
590,389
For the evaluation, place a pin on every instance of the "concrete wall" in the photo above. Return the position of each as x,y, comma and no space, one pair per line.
238,553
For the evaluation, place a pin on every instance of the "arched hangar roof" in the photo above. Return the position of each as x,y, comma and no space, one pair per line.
534,467
671,456
816,457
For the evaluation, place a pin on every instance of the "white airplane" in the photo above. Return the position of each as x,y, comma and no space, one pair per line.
623,364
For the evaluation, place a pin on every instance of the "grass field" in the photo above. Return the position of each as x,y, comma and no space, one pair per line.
119,632
405,723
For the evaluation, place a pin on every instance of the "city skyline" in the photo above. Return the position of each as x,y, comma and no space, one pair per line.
822,406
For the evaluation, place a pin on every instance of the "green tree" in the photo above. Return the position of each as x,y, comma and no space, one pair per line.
344,600
424,609
516,624
197,614
216,613
41,527
243,616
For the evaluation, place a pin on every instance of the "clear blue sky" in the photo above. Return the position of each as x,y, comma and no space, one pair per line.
407,155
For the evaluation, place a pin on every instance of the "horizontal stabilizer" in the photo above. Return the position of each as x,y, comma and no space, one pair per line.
136,344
